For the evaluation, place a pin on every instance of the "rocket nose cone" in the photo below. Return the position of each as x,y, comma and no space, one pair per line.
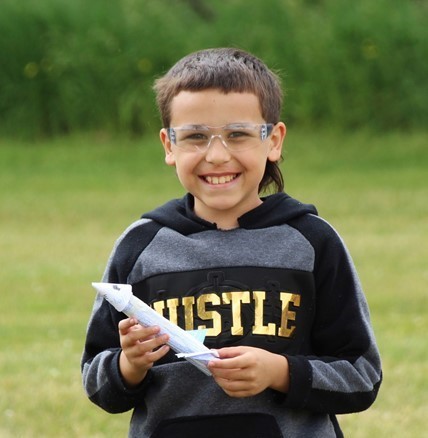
102,288
116,294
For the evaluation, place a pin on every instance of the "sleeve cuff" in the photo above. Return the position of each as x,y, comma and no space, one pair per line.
300,382
120,384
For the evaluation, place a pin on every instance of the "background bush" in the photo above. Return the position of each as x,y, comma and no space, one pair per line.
73,66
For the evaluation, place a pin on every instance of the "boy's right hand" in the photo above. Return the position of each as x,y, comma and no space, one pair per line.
140,349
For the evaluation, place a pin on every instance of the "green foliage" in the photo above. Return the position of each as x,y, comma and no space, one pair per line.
64,202
72,66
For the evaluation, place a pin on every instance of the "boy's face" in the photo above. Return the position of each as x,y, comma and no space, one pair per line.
223,183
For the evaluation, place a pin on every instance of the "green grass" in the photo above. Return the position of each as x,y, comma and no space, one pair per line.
63,203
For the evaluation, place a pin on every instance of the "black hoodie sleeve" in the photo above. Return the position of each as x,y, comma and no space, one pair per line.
102,379
344,374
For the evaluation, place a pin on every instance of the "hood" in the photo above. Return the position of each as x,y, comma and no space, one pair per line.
276,209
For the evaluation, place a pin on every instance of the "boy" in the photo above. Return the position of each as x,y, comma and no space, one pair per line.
271,282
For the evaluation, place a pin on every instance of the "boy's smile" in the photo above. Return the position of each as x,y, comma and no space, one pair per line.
224,183
219,179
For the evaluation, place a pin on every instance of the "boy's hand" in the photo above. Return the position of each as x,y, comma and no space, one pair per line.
247,371
140,349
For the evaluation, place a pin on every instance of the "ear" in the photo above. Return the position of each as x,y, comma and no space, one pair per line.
276,140
166,142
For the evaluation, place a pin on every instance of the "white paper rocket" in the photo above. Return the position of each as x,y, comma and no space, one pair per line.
186,344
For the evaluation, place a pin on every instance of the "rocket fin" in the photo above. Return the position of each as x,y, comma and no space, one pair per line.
198,334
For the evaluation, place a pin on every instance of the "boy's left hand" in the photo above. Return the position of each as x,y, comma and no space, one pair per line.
246,371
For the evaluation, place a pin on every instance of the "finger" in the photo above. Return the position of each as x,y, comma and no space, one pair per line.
230,352
232,387
227,374
147,358
126,324
142,340
144,333
238,388
151,344
157,354
233,363
141,333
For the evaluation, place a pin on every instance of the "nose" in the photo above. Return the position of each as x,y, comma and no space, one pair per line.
217,151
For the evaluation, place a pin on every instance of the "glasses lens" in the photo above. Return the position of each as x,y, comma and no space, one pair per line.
236,137
241,137
192,138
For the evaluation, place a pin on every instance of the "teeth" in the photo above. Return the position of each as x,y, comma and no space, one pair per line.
219,179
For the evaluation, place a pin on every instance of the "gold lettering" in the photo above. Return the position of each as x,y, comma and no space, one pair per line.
236,298
259,328
287,315
188,303
209,314
172,305
159,306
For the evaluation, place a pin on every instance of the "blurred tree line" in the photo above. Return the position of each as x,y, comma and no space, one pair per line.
69,66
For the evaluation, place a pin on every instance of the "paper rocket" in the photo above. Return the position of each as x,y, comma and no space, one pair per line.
186,344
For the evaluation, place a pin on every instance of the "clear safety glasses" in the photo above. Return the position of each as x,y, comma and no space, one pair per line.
236,137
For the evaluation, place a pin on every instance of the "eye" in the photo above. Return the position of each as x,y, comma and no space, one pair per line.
197,135
235,134
193,136
239,134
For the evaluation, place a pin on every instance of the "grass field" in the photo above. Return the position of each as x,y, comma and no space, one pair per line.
64,202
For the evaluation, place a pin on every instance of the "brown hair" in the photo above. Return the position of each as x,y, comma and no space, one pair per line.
228,70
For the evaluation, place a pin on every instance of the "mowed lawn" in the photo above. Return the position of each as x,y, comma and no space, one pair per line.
64,202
